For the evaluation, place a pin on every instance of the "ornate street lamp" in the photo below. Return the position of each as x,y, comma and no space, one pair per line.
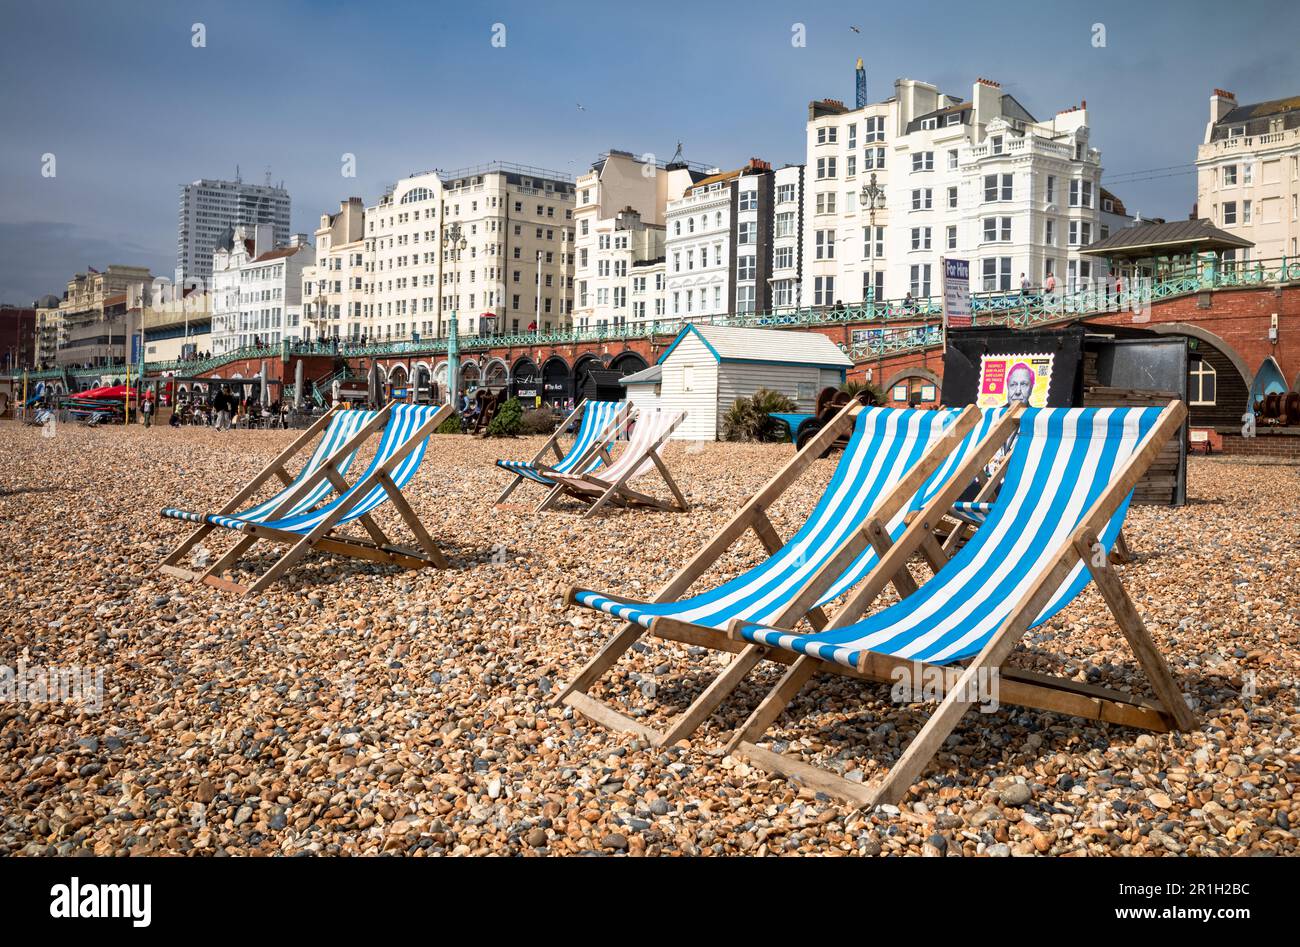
871,198
455,242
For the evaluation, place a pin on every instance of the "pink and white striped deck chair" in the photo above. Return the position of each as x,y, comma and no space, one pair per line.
642,454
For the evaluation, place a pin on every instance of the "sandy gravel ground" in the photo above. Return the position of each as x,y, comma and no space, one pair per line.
358,709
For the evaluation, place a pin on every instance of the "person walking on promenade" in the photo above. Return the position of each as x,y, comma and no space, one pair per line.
223,406
146,410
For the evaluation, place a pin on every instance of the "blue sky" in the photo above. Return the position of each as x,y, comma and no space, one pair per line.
131,110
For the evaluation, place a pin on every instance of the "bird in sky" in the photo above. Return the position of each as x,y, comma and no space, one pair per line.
856,29
581,107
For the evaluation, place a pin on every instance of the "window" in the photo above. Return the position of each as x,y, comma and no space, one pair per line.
1049,233
922,198
746,267
952,237
1080,193
1080,233
783,258
920,238
826,203
873,128
952,197
1247,173
929,124
997,229
825,168
1245,212
1229,175
825,241
952,159
746,232
923,161
783,293
1202,383
1051,189
785,194
784,224
873,290
850,166
997,187
1229,212
827,135
873,248
920,281
995,144
853,136
748,200
997,273
745,297
823,290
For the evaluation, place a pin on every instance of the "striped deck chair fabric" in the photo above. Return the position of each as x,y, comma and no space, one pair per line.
634,459
1064,458
406,419
596,418
340,431
886,443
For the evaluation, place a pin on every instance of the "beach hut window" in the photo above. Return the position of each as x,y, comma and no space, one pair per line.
1201,383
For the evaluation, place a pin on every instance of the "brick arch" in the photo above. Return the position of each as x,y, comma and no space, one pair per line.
914,372
1205,335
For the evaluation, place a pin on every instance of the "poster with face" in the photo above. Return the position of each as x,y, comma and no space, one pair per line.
1007,379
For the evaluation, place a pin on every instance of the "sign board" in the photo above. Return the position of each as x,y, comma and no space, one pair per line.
1006,379
956,294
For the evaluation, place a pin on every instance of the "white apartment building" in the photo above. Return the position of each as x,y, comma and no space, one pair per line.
787,236
619,238
256,293
979,179
333,287
517,226
719,246
1248,174
209,208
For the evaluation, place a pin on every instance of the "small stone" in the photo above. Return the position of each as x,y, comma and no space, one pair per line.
1016,794
615,841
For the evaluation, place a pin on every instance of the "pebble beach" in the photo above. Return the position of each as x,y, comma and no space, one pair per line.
357,709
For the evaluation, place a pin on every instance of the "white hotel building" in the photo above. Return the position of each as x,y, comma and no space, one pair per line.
333,288
979,179
256,293
619,238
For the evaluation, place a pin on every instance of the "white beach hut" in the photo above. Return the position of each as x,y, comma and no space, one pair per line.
708,367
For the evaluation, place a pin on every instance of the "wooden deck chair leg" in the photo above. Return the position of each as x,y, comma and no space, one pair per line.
717,691
413,522
511,488
232,555
604,498
1135,631
172,562
774,704
550,499
668,479
601,661
282,565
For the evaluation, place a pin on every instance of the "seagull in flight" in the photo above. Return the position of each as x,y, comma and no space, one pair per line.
581,107
856,29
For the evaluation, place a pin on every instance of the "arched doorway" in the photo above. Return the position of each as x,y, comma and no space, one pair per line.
495,375
470,377
397,382
525,380
581,370
918,387
628,363
1217,389
557,381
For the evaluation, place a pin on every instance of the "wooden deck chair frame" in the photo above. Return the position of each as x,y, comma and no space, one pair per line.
803,604
601,492
1029,689
379,548
276,468
553,444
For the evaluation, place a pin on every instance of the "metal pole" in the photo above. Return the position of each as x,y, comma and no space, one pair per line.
538,319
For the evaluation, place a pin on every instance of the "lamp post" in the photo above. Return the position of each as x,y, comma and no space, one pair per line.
455,242
871,197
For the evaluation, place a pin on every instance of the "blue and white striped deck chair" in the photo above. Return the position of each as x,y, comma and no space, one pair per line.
895,460
339,427
401,449
1067,489
599,419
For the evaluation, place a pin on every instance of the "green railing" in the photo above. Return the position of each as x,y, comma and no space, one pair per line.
1010,308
